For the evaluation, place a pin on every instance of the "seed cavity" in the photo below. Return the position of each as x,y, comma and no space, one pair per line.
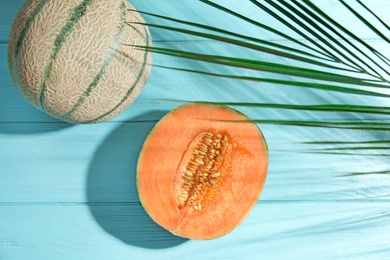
203,170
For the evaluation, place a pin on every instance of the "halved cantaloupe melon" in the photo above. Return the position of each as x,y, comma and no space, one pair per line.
201,170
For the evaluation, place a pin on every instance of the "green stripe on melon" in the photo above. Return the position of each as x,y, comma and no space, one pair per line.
74,17
15,43
110,55
138,81
75,60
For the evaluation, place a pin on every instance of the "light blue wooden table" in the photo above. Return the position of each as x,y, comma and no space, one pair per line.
68,191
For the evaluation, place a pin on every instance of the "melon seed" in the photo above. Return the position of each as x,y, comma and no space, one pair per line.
207,140
199,161
203,147
215,175
201,152
209,134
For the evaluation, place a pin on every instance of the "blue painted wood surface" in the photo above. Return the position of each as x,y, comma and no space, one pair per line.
68,191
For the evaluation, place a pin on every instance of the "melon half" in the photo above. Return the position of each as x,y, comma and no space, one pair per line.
201,170
76,60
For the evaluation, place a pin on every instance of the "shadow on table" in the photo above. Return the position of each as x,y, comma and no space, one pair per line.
112,192
18,117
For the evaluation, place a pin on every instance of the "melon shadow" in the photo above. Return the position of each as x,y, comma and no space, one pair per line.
111,187
18,117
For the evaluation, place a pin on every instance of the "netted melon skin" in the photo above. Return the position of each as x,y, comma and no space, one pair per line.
77,60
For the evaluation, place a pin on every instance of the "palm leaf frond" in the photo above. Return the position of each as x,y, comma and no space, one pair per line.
329,57
295,83
346,108
336,54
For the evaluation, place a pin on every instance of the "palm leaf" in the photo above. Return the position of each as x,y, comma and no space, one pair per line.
325,23
266,27
280,68
350,125
367,23
246,45
335,26
346,142
346,108
343,63
227,33
378,18
267,67
364,173
302,84
304,30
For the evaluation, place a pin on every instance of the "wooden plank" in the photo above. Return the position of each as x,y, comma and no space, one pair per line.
8,10
97,163
293,230
175,85
198,12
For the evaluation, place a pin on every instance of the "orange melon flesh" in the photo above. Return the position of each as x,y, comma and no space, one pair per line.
240,170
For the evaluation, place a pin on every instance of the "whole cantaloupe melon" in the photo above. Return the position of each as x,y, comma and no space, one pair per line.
76,60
